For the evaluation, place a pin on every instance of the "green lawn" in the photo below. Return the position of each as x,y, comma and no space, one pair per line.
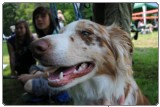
146,65
145,68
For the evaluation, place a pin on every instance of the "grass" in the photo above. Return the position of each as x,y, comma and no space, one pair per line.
145,72
146,65
5,58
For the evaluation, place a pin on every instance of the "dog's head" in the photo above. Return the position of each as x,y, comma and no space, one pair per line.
82,50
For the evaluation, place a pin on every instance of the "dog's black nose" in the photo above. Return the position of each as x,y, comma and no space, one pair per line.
39,47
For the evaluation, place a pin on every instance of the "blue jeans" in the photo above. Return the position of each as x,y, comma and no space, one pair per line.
40,87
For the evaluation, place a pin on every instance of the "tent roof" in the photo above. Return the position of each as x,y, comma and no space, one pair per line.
149,6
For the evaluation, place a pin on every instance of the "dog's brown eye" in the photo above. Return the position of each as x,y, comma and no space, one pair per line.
85,33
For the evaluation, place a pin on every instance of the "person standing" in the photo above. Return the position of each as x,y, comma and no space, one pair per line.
113,13
61,18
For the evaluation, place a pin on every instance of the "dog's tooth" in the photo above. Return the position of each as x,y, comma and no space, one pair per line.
55,80
80,69
84,65
75,71
61,75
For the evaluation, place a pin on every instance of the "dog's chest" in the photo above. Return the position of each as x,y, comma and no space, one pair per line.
83,94
97,89
91,91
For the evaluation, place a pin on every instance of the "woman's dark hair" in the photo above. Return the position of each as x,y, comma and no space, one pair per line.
28,35
43,11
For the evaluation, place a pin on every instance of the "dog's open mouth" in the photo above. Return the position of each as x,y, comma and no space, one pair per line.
65,75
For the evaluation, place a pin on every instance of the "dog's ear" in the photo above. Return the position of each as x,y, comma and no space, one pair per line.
122,46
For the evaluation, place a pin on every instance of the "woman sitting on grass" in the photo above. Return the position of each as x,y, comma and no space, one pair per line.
35,84
18,47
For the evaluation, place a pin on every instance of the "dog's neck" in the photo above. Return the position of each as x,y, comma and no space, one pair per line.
94,91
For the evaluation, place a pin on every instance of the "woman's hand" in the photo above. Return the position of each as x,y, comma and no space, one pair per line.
25,77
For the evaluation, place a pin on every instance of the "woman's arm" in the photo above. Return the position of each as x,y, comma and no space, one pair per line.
25,77
11,58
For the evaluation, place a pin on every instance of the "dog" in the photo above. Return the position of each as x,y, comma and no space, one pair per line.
92,62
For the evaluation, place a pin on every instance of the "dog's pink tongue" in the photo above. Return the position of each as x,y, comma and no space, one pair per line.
64,76
58,75
69,70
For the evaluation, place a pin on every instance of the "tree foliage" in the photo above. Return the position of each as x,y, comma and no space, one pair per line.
9,13
13,12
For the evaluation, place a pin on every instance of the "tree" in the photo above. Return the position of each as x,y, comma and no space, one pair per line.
24,12
12,12
9,13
